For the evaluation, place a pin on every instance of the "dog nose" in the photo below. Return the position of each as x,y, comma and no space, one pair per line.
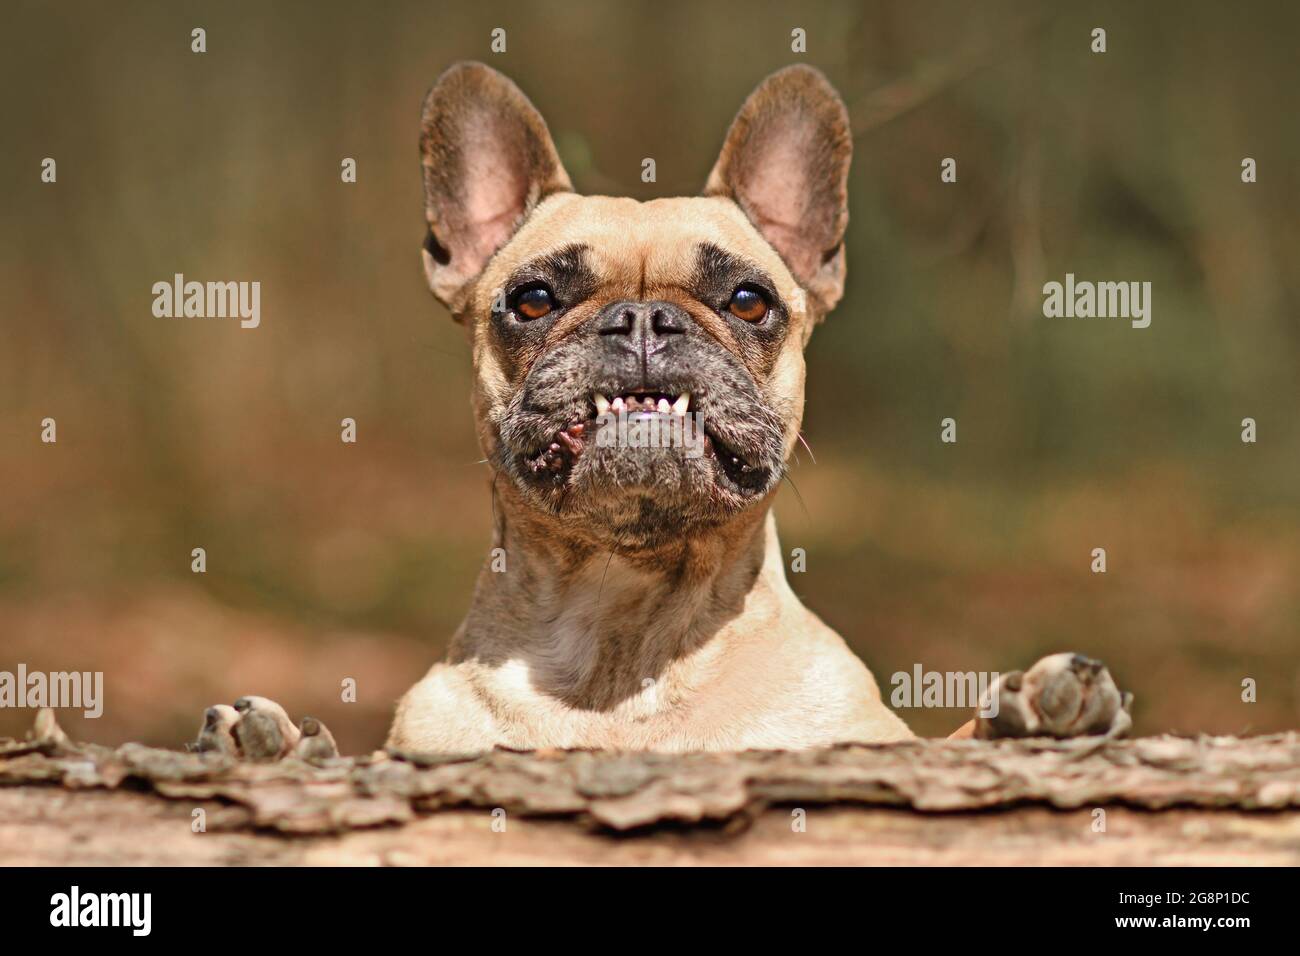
642,322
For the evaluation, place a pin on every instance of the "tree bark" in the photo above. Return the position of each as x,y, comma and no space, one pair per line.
1157,800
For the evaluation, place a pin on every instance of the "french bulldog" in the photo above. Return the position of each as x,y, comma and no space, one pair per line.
636,596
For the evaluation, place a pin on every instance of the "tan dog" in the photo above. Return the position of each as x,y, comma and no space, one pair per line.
643,602
638,598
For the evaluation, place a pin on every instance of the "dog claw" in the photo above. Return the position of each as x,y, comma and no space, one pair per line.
1063,695
317,743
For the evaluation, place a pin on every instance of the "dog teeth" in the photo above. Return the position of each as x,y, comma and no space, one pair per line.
638,402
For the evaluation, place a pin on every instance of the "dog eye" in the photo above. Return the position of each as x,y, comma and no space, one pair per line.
534,302
748,303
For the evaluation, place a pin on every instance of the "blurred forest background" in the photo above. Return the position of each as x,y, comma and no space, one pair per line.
328,560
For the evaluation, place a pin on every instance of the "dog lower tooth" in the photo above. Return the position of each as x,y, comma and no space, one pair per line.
617,405
683,402
602,403
664,407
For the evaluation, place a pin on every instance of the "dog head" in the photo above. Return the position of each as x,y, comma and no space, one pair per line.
639,368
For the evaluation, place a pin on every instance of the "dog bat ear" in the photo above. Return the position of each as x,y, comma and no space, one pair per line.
785,162
488,160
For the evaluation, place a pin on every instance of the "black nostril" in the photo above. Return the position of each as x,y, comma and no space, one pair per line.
642,320
617,322
667,322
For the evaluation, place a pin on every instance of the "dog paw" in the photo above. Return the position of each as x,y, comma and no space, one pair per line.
257,728
1063,695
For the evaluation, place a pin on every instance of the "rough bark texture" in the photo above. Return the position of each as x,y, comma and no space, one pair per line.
1165,800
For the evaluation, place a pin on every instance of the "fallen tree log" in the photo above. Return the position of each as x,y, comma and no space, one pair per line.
1089,800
